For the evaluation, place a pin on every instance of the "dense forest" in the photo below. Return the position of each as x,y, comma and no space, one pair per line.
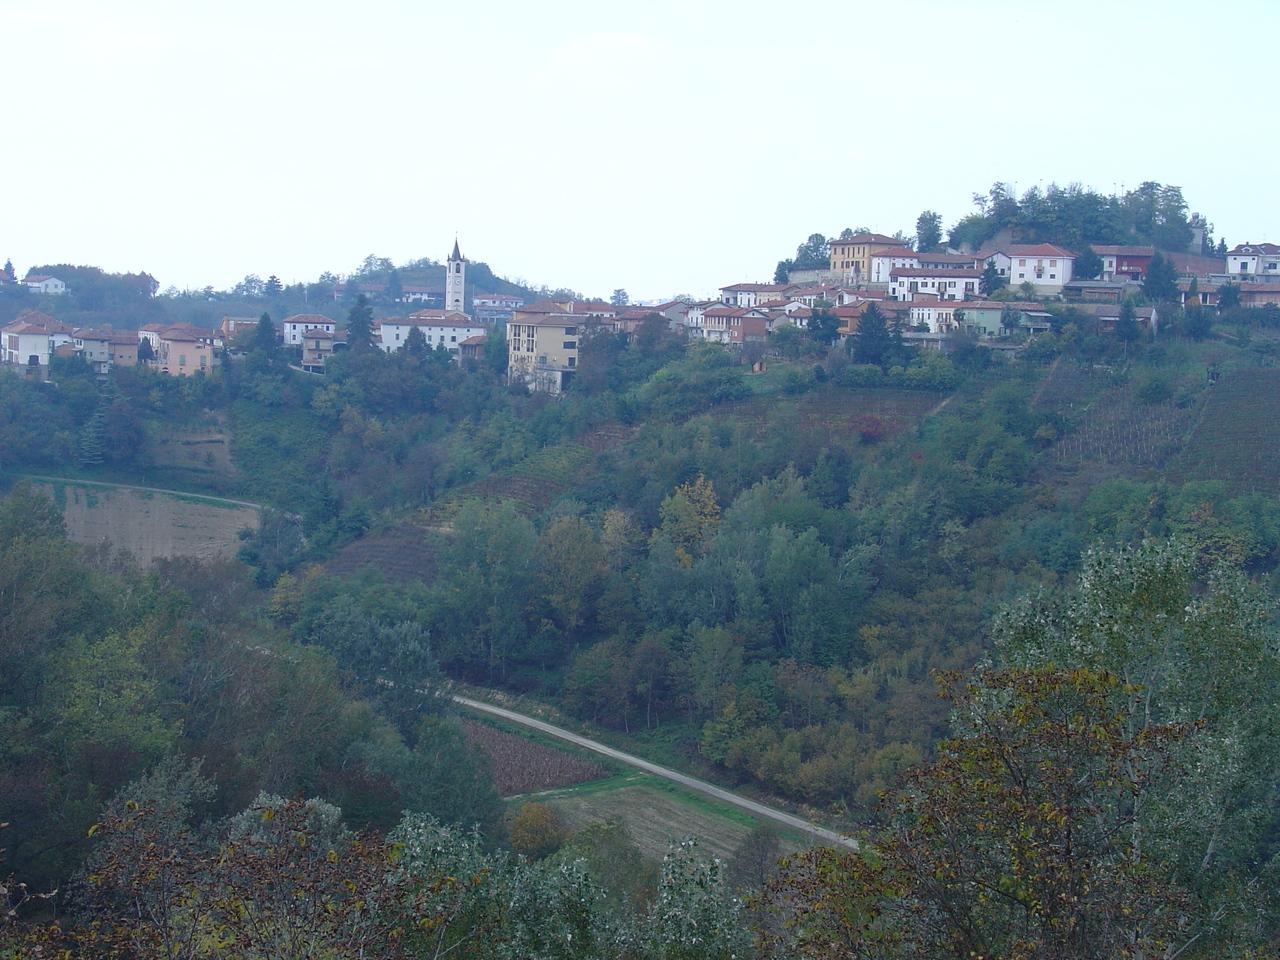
765,578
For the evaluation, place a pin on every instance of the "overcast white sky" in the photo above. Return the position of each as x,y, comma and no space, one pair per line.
662,146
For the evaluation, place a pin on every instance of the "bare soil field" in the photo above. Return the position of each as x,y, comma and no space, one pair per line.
521,766
150,523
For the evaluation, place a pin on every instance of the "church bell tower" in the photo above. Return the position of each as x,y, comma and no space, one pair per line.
455,280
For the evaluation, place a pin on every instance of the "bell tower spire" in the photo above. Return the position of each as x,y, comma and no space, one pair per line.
455,280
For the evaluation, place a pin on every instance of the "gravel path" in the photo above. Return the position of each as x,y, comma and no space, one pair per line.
693,783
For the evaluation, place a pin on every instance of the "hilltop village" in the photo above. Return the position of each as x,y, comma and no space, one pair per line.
1001,295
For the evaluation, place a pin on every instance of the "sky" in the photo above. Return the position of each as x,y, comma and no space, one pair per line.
664,147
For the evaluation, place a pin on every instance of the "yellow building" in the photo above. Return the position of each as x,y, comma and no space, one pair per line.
851,257
543,340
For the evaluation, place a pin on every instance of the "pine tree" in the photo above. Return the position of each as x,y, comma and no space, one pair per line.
875,341
1088,265
360,325
1161,281
991,280
93,439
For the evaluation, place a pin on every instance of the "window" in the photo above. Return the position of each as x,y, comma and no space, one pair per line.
182,359
1053,276
453,339
1053,263
1022,276
573,361
204,360
570,331
1022,263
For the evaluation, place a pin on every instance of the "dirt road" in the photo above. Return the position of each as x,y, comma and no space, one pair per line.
693,783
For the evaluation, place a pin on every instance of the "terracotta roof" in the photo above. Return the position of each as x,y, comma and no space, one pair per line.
473,341
996,304
312,318
869,238
38,278
947,273
759,287
1247,249
452,319
1110,250
546,306
109,336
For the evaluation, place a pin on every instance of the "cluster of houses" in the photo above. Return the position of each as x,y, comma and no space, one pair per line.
181,349
931,296
35,338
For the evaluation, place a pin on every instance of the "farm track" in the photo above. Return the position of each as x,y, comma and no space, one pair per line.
692,783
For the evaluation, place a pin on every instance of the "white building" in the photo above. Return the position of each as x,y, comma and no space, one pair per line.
300,323
440,328
1251,260
1043,265
910,283
31,339
45,284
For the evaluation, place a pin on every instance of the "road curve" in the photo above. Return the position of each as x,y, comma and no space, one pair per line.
693,783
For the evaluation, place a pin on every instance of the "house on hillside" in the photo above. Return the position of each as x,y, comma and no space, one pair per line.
30,340
1106,315
107,348
1123,262
1254,261
295,327
754,294
490,308
851,256
317,347
1043,265
735,326
911,283
440,328
231,327
993,318
544,338
43,283
184,350
1259,294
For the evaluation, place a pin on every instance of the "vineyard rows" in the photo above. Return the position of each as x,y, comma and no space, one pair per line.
1115,430
1238,438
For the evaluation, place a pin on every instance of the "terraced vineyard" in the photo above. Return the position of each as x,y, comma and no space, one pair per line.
1237,439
